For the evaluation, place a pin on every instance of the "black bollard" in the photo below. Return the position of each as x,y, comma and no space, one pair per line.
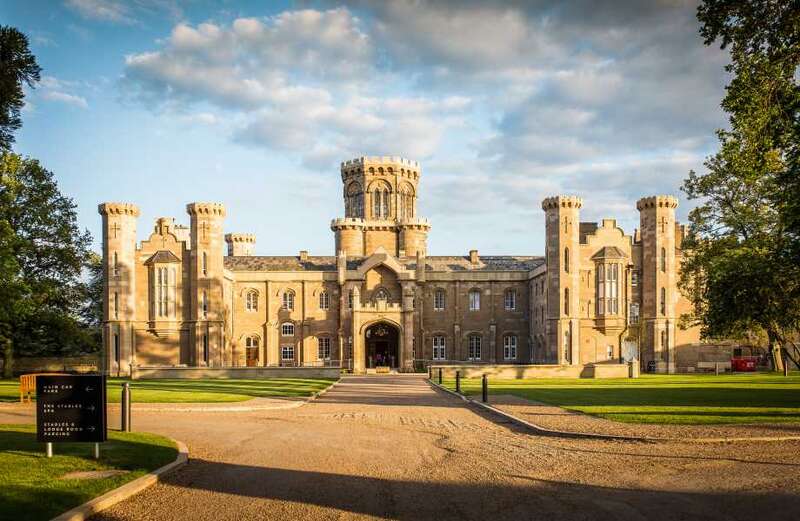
458,382
485,389
125,409
440,376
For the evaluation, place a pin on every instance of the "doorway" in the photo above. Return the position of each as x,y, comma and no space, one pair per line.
382,343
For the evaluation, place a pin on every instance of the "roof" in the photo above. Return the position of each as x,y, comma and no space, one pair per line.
609,252
328,263
162,257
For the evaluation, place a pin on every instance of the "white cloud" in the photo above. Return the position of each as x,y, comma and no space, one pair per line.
54,89
103,10
70,99
612,98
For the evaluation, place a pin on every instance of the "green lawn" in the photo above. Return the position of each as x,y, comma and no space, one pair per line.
194,391
30,484
686,399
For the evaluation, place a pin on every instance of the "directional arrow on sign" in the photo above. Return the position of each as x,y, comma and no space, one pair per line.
89,388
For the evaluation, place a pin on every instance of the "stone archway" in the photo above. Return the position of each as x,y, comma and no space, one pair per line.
382,345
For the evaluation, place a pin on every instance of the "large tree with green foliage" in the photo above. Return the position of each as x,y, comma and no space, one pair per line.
17,67
42,255
741,268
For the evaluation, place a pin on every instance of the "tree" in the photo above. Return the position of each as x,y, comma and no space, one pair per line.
42,254
741,269
17,67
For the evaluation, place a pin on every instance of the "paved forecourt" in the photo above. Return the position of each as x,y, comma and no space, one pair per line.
392,447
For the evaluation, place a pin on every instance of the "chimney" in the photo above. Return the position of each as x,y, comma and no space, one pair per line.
303,255
473,257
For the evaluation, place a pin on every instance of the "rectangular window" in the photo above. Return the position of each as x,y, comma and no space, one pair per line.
610,352
205,349
287,353
511,300
634,313
438,348
116,347
634,278
116,305
204,305
474,300
510,347
205,264
115,265
324,300
438,300
474,347
287,329
324,348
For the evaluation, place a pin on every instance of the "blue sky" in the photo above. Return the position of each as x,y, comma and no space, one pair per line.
252,104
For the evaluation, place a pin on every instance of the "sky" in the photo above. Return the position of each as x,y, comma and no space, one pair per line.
255,104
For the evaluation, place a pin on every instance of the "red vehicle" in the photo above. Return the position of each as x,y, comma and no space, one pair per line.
744,364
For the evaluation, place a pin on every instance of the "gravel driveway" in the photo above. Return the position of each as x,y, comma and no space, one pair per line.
391,447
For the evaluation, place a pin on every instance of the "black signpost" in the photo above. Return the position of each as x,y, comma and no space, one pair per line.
71,408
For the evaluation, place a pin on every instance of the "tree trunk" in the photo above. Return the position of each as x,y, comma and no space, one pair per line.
775,352
8,358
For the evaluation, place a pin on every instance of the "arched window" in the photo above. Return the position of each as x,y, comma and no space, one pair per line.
663,301
288,300
510,300
251,341
377,195
324,300
474,300
438,300
566,260
350,299
510,347
382,295
474,347
251,300
439,351
205,264
323,348
287,329
663,260
566,301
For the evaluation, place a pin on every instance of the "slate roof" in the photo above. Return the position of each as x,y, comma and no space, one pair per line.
162,256
609,252
435,263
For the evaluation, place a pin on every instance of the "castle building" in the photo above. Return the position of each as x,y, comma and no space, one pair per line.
596,296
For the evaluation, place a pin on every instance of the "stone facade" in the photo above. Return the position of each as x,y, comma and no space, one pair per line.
176,300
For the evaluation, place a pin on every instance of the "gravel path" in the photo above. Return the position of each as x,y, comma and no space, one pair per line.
391,447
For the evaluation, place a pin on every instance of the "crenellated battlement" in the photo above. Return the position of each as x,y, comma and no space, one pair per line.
208,209
344,223
240,237
562,201
657,201
112,208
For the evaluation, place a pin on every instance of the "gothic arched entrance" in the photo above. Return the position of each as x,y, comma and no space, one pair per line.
382,341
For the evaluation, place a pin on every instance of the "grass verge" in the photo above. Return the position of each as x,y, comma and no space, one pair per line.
209,390
664,399
31,486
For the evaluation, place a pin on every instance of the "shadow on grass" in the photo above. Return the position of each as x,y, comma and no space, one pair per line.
511,497
30,487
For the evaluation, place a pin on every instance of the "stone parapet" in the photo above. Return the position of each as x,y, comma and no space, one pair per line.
118,209
209,209
657,201
562,201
